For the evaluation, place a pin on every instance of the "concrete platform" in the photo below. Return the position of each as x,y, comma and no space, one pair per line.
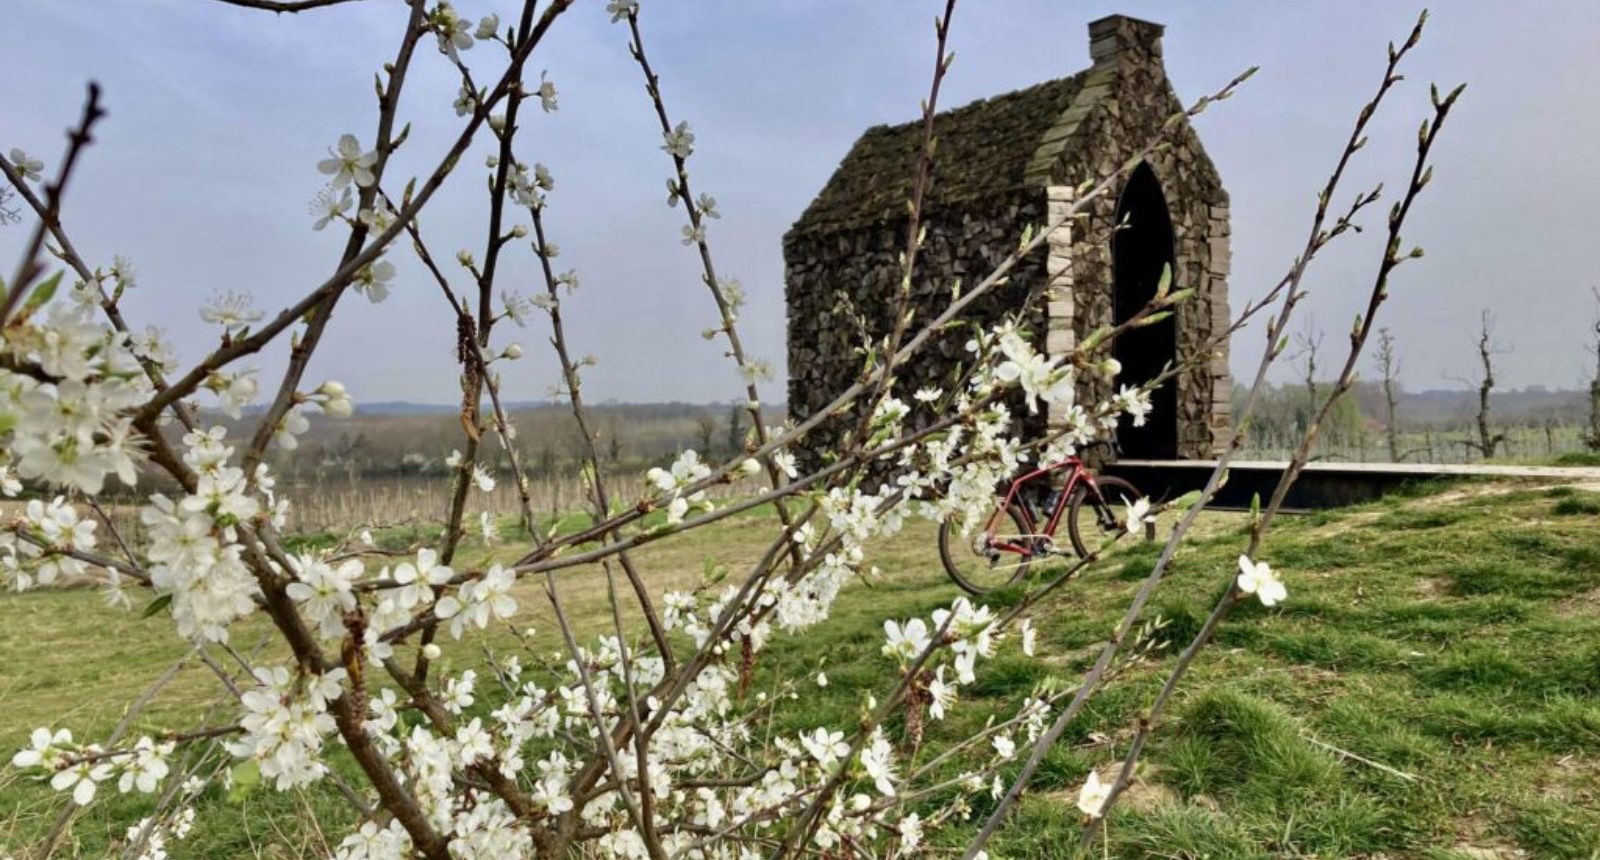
1321,484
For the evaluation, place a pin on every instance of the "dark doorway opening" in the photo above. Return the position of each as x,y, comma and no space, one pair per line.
1141,248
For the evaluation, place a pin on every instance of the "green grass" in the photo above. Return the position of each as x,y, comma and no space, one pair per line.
1449,633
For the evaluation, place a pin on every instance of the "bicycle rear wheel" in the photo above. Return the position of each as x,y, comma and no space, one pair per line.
969,553
1098,512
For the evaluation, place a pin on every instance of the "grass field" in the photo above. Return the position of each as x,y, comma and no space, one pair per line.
1431,689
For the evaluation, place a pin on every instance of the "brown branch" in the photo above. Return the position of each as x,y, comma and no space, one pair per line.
29,267
725,306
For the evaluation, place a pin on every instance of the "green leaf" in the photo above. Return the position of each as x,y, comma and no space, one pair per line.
245,776
1165,284
42,294
157,605
1187,500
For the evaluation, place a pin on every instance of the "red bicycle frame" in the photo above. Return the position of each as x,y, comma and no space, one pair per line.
1079,473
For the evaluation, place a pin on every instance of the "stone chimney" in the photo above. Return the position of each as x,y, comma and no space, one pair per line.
1116,38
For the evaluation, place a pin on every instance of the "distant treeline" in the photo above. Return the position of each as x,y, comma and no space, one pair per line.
407,439
1432,426
404,439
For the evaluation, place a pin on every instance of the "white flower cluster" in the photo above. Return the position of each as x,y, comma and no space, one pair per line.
65,411
286,723
54,529
686,470
195,552
81,768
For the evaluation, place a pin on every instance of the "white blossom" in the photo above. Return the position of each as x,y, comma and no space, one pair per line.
232,311
620,9
1258,578
1092,796
488,27
26,165
347,163
679,142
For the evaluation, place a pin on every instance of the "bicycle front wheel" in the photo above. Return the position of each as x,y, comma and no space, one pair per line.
1096,513
984,554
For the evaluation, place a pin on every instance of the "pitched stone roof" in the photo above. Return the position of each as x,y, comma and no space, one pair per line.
984,148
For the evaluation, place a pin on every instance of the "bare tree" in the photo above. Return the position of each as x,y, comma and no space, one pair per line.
1389,366
736,429
1309,342
1591,438
706,426
1488,442
614,444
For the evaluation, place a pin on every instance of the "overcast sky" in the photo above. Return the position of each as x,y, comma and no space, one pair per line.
204,169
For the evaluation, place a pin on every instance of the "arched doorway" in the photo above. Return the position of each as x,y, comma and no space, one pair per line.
1141,247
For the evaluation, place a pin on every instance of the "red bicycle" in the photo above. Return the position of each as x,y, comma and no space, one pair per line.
984,554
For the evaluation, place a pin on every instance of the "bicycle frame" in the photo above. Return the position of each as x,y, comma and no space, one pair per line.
1079,474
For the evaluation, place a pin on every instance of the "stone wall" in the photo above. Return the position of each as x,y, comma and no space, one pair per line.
841,287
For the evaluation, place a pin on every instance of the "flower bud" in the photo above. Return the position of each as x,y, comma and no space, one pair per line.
750,467
513,352
338,407
432,651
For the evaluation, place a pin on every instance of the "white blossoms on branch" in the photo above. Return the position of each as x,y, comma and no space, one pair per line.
26,165
488,27
685,471
454,32
479,602
232,311
941,695
416,582
331,205
546,93
906,642
620,9
1092,796
1135,401
1258,578
46,750
194,552
286,724
347,163
482,478
1039,376
877,759
334,399
372,280
1139,516
325,593
679,143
